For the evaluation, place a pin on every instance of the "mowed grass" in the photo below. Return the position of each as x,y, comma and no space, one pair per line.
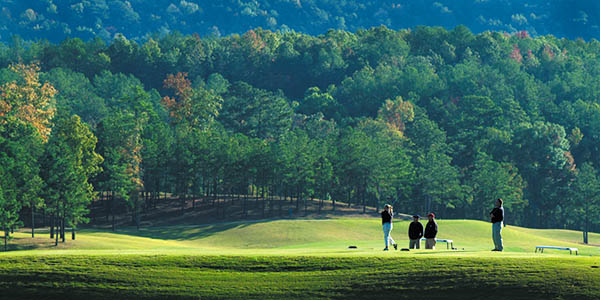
300,237
299,259
297,277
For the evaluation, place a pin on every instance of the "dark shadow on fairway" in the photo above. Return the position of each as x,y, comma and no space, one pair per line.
28,243
184,232
442,252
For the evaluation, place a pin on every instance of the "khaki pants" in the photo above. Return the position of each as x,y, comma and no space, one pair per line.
415,243
430,244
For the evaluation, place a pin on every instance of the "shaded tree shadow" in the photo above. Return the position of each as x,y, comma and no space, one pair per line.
183,232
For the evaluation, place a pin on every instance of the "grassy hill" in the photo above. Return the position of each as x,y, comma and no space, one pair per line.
298,259
301,236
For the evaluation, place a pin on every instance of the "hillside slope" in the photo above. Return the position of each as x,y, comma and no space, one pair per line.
301,236
58,19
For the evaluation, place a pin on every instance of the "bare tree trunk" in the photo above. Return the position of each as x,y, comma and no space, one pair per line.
137,210
271,200
146,200
349,197
264,201
586,225
281,204
112,209
183,203
73,232
137,213
320,203
239,198
364,200
332,204
107,204
244,208
155,196
215,190
62,229
256,196
56,235
305,200
57,222
32,221
52,227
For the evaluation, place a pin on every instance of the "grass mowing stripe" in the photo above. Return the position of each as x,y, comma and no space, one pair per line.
242,277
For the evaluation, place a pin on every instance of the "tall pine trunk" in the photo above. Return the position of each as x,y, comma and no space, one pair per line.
281,204
137,209
264,201
182,200
56,222
56,234
32,221
112,209
244,206
364,199
298,200
305,202
62,229
271,200
52,227
586,225
332,204
107,204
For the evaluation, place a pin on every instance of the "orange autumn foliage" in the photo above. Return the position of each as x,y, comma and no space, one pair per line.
396,114
28,100
179,106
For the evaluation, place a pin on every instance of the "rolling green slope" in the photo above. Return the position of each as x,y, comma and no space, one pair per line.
298,259
311,236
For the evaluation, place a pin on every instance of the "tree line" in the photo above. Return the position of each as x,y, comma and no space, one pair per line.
428,119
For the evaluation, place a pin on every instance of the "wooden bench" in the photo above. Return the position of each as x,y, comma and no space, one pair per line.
541,249
449,243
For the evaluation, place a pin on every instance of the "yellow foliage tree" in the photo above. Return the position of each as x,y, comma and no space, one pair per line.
28,100
396,114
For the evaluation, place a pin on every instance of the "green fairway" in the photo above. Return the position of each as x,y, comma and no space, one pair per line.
275,259
301,237
296,277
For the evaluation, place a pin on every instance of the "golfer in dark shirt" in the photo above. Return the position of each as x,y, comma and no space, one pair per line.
497,216
431,230
386,220
415,233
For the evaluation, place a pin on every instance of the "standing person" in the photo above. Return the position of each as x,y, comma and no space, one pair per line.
497,216
386,220
431,230
415,233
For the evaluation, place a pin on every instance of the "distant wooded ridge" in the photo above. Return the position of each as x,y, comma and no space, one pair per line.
56,20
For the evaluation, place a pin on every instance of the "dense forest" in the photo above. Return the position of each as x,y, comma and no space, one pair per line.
138,20
428,119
